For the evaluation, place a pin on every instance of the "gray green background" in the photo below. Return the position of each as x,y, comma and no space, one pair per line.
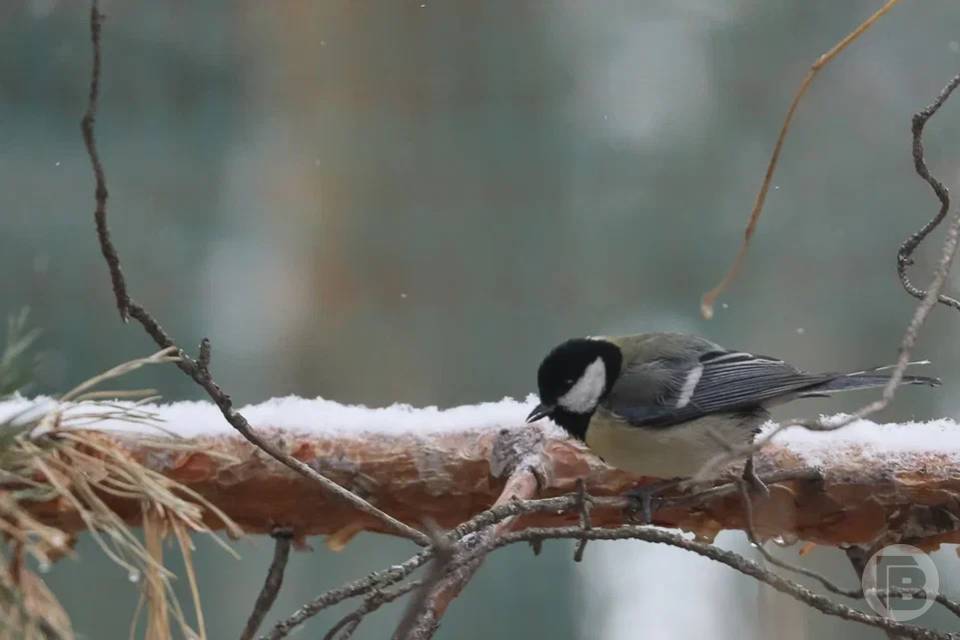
412,201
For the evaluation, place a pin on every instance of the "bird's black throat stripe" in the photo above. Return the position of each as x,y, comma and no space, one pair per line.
573,423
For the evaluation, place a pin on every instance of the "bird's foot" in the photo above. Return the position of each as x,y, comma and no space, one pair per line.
645,500
755,485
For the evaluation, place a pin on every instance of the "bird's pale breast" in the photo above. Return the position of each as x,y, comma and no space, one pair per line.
666,452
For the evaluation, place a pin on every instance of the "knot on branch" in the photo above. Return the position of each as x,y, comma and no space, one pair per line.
515,449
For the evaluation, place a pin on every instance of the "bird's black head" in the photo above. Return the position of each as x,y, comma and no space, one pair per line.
573,379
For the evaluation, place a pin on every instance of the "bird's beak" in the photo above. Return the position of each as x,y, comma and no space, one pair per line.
540,411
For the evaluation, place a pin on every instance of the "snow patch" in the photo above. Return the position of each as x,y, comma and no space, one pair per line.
294,414
326,417
870,439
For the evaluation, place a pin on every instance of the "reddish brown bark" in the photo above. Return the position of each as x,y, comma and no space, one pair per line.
447,478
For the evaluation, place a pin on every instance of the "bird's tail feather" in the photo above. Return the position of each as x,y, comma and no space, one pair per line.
870,379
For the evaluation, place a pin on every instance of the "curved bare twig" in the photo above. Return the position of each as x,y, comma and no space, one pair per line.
710,297
734,561
197,370
905,253
929,299
271,585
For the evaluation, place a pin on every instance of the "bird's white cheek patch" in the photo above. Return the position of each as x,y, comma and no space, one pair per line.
584,395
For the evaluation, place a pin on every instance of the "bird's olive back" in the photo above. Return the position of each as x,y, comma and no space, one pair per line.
645,347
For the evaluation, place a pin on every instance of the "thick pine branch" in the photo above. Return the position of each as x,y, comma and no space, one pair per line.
858,495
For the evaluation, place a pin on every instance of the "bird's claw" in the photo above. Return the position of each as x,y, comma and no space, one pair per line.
755,485
641,506
645,500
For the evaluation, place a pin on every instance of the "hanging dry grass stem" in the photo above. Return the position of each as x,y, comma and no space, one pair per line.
80,472
710,297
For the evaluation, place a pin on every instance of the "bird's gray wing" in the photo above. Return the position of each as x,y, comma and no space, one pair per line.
660,393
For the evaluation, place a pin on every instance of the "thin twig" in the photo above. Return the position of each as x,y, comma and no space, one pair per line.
710,298
752,537
858,560
362,586
906,345
198,371
569,502
929,300
522,484
952,606
87,125
733,560
508,509
271,585
810,474
905,254
729,558
583,506
929,297
444,552
378,580
347,625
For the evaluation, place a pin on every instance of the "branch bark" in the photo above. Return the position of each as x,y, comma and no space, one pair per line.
859,496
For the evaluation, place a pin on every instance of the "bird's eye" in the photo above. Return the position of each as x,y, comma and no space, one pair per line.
568,381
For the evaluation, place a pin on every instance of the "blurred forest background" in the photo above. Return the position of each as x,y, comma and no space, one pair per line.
413,200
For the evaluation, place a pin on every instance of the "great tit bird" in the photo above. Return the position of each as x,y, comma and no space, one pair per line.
663,404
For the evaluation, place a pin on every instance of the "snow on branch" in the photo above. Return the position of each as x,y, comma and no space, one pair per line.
863,485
